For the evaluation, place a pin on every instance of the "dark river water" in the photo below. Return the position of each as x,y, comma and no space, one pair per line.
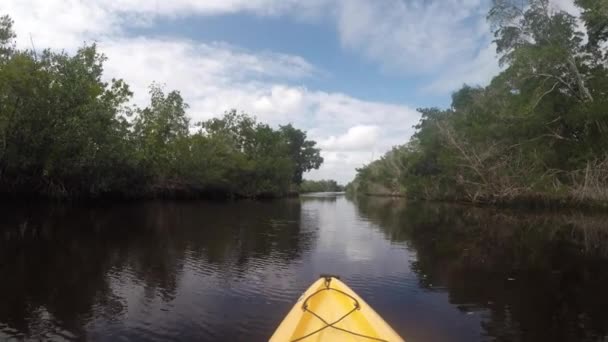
162,271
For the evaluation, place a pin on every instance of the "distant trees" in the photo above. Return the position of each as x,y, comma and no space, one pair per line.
66,133
320,186
383,176
260,162
537,132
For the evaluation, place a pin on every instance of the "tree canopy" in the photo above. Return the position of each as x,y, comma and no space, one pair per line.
536,132
324,185
65,132
302,151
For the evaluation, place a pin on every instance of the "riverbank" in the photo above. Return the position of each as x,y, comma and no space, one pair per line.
538,202
585,197
536,134
176,191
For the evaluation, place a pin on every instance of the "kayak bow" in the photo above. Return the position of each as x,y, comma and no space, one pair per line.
330,311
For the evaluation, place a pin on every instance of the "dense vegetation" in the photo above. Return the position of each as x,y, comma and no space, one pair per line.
66,133
320,186
537,132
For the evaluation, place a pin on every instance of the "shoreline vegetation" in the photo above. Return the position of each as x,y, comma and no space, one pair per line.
67,134
324,185
536,135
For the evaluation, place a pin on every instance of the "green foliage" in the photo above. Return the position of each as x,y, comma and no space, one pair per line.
265,159
537,132
383,176
62,129
64,132
160,130
595,16
302,151
320,186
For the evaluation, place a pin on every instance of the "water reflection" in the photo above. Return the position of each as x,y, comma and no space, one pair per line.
529,276
76,272
160,271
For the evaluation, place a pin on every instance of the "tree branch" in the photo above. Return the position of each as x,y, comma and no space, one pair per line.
543,95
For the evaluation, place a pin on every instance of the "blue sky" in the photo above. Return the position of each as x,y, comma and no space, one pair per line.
350,72
339,69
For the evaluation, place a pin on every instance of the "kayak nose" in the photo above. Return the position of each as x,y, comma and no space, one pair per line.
330,311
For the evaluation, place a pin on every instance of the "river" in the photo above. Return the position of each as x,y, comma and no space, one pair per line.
161,271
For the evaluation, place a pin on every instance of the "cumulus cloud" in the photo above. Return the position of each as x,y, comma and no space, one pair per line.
408,37
425,37
199,70
68,23
356,138
60,24
413,36
214,7
479,72
568,6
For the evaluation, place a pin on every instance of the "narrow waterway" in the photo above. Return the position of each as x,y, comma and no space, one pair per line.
230,271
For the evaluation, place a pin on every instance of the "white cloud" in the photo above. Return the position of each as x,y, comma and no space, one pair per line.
280,100
413,36
213,7
59,24
68,23
427,37
197,69
568,6
357,138
408,37
479,72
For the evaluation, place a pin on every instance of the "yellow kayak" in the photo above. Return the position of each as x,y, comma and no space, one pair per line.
330,311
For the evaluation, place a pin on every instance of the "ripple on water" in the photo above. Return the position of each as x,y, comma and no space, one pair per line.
368,286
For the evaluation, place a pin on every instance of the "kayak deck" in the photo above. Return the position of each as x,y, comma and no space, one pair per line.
330,311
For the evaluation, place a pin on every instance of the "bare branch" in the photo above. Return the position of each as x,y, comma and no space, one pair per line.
473,163
562,81
544,94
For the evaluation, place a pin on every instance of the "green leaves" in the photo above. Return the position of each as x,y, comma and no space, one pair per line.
303,152
537,132
595,16
320,186
66,133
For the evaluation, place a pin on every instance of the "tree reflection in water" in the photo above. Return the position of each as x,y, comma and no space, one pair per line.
230,271
532,276
62,266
